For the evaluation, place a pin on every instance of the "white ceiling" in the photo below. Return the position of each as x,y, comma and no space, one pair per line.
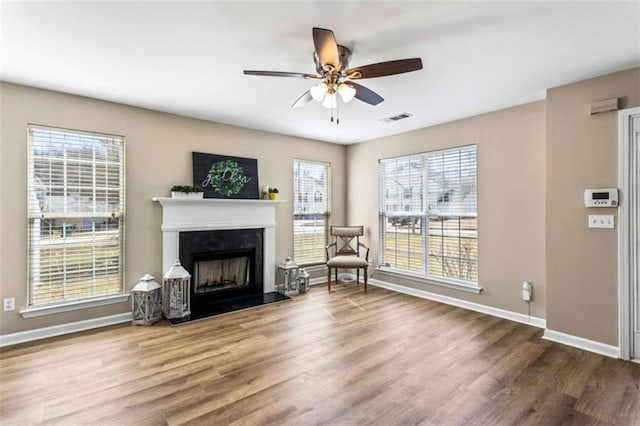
187,57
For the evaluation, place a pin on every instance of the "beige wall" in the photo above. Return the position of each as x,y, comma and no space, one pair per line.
158,155
534,162
511,164
582,153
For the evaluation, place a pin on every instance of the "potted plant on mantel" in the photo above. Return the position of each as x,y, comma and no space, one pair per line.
186,191
273,193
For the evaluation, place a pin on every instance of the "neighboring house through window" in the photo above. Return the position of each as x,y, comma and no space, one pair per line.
76,216
428,215
310,212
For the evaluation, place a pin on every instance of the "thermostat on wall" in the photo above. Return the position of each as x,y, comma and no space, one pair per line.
604,197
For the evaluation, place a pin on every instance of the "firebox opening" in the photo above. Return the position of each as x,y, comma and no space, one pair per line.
221,274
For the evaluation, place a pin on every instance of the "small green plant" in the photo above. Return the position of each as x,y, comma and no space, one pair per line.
273,190
185,188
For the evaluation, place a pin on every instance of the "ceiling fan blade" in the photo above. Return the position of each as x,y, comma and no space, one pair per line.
366,95
281,74
326,48
303,100
382,69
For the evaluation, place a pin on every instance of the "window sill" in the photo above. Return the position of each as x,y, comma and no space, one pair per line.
439,281
315,267
38,311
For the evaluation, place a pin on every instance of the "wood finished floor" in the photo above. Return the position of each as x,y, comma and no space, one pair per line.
341,358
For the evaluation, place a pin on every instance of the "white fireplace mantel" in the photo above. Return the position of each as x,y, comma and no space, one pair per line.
183,215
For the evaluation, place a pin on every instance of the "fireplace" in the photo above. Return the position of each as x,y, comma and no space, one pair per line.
206,234
222,263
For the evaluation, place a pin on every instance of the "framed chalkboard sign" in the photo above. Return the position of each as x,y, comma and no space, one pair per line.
222,176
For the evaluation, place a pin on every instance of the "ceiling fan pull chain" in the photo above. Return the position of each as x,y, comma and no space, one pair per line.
337,113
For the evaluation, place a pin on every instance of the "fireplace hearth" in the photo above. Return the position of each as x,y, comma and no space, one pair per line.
232,304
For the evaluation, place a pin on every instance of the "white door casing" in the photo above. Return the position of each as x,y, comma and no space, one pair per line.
635,214
629,233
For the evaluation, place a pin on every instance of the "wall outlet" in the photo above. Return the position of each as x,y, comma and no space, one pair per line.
9,304
527,291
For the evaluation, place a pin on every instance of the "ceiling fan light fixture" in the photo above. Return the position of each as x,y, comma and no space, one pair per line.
346,92
332,70
318,92
330,100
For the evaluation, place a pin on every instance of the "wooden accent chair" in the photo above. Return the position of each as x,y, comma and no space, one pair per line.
344,255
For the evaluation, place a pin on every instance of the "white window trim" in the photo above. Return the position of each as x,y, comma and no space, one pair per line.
468,286
74,305
318,267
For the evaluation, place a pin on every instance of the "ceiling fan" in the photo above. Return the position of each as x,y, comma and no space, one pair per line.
332,67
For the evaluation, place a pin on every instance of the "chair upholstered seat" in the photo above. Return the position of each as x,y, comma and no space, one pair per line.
347,262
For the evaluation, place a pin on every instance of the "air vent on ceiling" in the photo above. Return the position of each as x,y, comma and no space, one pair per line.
396,117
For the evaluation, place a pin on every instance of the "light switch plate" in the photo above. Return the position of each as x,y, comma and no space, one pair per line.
601,221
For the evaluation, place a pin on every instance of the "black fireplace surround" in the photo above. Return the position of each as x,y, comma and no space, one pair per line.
197,246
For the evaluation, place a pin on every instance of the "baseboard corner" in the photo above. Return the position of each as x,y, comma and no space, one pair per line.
582,343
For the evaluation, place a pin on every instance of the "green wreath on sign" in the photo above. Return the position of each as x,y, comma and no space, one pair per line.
227,177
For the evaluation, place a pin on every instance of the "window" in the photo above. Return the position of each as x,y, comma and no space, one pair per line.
428,214
76,216
311,183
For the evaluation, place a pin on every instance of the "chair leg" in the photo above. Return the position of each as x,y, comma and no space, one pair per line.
329,280
336,276
365,280
357,277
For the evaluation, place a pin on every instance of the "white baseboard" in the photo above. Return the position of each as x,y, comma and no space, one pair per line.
554,336
500,313
582,343
341,277
551,335
57,330
318,280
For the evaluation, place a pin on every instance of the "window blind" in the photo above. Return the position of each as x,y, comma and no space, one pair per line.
76,215
311,183
402,213
428,214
